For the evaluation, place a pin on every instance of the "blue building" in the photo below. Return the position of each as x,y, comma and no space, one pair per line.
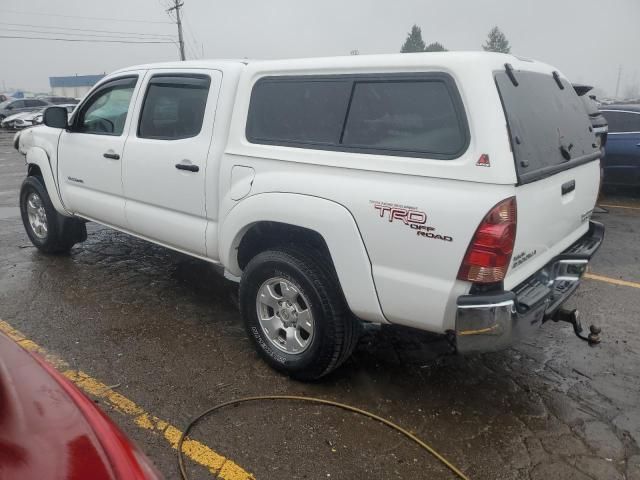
74,86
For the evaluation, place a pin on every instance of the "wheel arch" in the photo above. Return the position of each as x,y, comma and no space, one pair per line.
38,165
326,225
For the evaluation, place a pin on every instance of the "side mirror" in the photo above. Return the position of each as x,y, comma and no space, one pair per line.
55,117
9,107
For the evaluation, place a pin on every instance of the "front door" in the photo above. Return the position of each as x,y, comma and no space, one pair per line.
91,153
166,158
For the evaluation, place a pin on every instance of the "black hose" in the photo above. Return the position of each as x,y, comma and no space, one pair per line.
406,433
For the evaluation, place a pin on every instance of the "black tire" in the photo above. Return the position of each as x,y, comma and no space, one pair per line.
62,232
336,330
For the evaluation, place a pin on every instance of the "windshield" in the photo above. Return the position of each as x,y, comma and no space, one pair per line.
548,126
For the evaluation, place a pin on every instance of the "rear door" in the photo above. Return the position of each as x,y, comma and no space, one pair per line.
622,154
166,158
556,160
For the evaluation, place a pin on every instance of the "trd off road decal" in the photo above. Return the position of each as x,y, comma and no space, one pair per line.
411,217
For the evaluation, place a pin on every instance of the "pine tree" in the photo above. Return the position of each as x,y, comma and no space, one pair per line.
435,47
414,42
497,42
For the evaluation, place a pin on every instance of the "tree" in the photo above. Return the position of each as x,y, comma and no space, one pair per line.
497,42
414,42
435,47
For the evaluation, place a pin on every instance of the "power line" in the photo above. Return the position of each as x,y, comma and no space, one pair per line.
72,34
81,17
192,33
84,40
52,27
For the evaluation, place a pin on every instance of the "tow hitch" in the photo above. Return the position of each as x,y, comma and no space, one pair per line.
573,317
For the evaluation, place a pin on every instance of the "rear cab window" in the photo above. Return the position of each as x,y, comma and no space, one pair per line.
548,127
415,115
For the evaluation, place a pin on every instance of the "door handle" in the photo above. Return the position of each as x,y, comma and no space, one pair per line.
570,186
187,166
111,155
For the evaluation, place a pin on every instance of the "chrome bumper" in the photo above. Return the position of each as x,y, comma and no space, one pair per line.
489,322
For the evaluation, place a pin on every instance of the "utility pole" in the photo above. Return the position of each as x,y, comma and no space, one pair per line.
618,82
176,6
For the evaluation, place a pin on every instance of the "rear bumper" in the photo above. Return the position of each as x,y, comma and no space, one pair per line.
489,322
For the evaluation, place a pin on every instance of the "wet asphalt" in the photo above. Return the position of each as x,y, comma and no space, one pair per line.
165,328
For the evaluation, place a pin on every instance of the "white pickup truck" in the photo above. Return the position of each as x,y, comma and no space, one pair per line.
449,192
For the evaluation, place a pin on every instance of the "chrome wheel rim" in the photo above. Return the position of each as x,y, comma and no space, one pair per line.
285,316
37,216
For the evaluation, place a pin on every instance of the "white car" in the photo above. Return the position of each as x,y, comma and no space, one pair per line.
448,192
9,121
30,119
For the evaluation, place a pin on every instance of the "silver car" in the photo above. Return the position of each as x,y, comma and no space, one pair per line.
11,107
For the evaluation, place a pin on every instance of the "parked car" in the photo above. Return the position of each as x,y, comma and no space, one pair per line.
11,107
622,159
9,121
28,119
4,98
447,192
50,429
60,100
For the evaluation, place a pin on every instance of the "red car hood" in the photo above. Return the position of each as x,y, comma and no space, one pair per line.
49,429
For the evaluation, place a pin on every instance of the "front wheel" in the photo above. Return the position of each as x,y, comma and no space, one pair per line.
296,314
49,231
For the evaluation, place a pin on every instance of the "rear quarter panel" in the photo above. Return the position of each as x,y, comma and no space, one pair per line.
414,265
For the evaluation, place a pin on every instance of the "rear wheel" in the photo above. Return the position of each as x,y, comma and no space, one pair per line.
49,231
296,314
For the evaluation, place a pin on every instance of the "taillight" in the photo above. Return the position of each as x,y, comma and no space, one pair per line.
489,253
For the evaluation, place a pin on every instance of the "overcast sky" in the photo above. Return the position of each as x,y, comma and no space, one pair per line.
588,40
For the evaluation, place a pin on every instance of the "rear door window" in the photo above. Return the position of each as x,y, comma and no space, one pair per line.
549,129
415,115
622,122
174,107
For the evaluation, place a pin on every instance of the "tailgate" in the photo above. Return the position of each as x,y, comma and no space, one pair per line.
549,221
557,163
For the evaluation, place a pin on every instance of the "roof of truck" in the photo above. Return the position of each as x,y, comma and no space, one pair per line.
413,60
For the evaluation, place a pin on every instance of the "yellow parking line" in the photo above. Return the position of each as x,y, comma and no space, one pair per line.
618,206
613,281
217,464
